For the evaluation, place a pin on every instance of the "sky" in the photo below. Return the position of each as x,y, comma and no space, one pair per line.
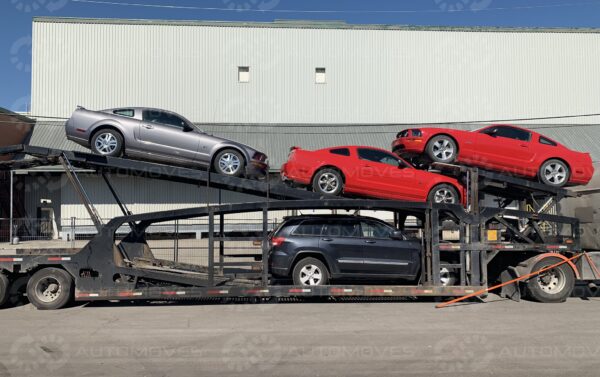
16,19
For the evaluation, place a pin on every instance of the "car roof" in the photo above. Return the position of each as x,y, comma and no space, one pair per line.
329,216
355,147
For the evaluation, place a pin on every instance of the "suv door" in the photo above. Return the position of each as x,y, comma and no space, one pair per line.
340,241
386,256
167,134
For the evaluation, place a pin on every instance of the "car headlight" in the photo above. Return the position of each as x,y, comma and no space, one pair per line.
416,133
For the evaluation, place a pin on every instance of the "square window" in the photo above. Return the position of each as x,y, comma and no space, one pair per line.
320,76
243,74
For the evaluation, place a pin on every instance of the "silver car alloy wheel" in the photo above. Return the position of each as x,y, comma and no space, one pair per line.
552,281
48,290
444,195
443,149
311,275
229,163
106,143
328,183
555,173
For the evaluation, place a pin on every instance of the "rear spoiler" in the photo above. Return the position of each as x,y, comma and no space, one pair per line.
294,148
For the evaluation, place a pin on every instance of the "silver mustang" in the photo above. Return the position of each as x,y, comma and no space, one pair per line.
164,136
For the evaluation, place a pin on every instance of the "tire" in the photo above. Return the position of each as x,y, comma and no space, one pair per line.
107,142
50,288
443,193
304,267
328,182
553,285
229,162
554,173
4,283
442,148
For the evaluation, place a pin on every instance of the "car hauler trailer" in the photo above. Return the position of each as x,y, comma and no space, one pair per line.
491,243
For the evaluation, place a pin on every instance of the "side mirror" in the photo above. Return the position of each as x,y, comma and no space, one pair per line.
187,128
397,235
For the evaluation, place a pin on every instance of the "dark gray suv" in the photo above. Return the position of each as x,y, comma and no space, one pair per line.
314,249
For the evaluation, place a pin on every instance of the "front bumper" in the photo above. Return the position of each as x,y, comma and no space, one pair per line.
257,169
408,146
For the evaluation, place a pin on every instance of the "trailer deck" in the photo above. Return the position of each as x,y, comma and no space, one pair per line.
110,268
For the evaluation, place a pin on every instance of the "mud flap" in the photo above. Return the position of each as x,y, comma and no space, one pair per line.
510,291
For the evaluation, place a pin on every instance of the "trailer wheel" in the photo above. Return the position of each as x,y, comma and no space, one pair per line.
310,272
3,289
551,286
50,288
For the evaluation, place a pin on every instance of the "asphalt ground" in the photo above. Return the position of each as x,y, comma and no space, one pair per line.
396,338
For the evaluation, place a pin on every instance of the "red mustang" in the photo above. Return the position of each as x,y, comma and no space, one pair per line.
502,148
370,172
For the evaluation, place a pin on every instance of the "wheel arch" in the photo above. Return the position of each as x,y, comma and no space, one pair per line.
327,166
540,257
442,133
106,126
459,190
311,254
555,158
221,148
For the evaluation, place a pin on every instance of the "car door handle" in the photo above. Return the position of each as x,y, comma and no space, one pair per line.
326,239
524,145
369,241
148,126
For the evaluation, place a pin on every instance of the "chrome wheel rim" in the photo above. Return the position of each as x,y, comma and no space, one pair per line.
48,290
444,195
443,149
229,163
555,173
552,281
106,143
311,275
328,183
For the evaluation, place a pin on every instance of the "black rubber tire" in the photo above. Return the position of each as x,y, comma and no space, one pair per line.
238,172
452,277
338,177
65,284
310,261
449,188
4,284
535,292
118,150
431,153
543,178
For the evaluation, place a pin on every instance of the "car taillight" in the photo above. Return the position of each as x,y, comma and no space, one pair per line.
277,241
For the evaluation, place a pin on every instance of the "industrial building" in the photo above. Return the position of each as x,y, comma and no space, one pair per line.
312,84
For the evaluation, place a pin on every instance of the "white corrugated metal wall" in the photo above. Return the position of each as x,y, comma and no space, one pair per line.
373,76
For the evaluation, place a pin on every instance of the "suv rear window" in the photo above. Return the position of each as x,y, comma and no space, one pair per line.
343,228
309,228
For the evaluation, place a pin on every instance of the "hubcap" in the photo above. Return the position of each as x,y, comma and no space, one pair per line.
229,163
48,290
311,275
552,281
445,196
106,143
443,149
328,183
555,173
